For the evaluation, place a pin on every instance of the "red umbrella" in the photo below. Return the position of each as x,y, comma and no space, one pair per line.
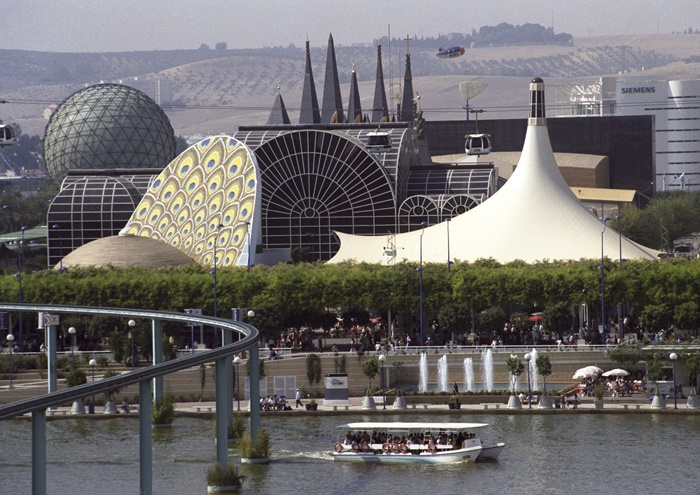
376,320
535,318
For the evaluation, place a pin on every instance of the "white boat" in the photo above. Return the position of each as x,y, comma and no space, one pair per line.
490,452
407,443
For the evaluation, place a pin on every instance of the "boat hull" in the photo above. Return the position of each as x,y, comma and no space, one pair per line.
449,457
491,452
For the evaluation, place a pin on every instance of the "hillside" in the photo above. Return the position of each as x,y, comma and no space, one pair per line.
217,90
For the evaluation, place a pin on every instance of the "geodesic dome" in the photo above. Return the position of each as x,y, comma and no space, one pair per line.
107,126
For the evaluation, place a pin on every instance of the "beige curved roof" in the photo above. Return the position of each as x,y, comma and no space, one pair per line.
125,251
534,216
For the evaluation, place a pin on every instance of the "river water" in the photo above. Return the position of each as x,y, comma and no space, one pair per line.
545,454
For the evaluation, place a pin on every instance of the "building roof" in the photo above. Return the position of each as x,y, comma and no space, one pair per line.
125,251
534,216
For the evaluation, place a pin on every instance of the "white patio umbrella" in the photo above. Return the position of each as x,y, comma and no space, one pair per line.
616,372
584,373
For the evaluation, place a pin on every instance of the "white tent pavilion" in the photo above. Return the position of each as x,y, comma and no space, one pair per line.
535,216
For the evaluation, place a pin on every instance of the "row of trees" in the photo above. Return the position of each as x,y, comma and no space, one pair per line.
659,293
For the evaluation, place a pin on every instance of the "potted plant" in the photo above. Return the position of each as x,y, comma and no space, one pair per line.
368,401
311,405
400,401
515,368
544,369
77,377
223,479
110,395
692,402
454,402
598,394
255,450
654,374
163,412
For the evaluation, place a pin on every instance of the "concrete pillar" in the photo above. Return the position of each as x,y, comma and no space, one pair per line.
222,405
51,344
157,347
145,438
39,452
226,339
254,356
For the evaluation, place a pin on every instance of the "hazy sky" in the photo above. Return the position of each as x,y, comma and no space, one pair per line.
137,25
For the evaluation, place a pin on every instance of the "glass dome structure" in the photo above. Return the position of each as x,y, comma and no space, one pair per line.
107,126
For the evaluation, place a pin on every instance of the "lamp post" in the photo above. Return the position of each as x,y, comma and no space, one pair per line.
673,357
57,228
449,261
237,360
420,279
382,358
72,331
10,344
92,364
528,356
132,324
602,276
619,305
20,267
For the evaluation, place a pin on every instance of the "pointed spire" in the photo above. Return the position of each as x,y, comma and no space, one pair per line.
278,115
380,109
332,109
310,112
407,106
354,107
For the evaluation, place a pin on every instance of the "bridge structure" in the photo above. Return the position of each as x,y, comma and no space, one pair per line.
150,382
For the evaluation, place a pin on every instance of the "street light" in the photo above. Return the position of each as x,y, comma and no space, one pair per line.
132,324
92,364
619,305
10,343
602,276
449,261
382,358
72,331
528,356
420,279
673,357
236,361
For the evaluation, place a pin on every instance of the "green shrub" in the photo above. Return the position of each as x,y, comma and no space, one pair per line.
255,449
163,412
218,476
75,378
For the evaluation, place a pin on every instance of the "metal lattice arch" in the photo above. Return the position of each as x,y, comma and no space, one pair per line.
314,182
107,126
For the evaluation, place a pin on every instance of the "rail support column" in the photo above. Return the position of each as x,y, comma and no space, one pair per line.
226,339
51,344
157,357
145,438
39,452
254,390
222,406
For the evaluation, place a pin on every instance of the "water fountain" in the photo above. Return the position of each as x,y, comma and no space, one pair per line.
423,373
534,376
469,374
487,369
443,379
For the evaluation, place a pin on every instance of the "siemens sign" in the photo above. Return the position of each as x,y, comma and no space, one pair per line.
641,89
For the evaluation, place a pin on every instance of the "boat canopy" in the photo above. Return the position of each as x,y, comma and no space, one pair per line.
411,426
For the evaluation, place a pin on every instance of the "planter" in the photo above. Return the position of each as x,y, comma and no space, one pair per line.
311,407
693,402
658,402
545,402
598,403
223,489
399,403
514,402
78,407
454,405
110,407
255,460
368,403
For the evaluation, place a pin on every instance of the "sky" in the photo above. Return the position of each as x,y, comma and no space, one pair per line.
142,25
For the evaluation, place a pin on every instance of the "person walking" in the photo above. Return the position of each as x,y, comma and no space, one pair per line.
298,398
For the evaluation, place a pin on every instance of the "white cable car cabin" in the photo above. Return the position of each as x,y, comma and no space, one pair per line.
7,135
477,144
378,142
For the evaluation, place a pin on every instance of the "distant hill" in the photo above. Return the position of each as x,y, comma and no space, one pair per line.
215,90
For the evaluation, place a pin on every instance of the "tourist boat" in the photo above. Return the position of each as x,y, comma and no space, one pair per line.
406,443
